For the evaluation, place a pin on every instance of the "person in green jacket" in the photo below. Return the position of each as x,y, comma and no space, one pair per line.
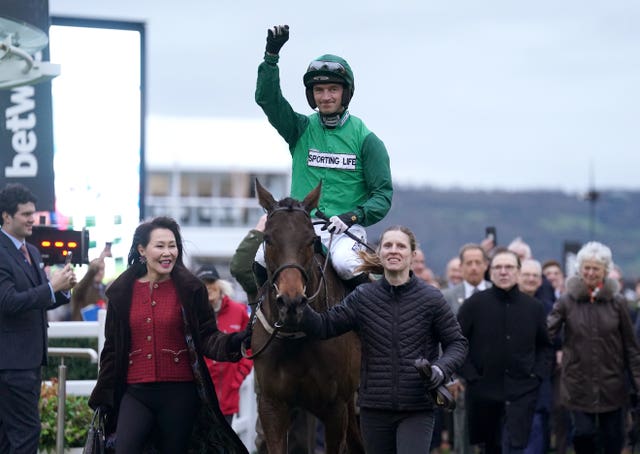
329,146
241,262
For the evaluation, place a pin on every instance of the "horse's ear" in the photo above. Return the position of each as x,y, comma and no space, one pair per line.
265,198
311,200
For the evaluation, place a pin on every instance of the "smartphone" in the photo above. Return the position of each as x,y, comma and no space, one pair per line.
68,258
107,249
490,232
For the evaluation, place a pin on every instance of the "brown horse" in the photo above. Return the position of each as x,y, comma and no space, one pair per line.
292,370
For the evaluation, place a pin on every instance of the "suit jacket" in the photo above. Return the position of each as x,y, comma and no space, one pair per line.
25,296
455,295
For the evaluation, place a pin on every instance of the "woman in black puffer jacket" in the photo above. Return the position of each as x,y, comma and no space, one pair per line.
399,319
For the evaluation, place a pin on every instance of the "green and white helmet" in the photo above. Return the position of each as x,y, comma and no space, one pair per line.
328,69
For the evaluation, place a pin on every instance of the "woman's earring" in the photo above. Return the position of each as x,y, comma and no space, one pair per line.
143,259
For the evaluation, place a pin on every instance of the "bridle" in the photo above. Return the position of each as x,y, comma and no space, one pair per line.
305,276
276,330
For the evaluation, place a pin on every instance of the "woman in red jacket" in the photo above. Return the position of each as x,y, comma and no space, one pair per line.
231,317
152,382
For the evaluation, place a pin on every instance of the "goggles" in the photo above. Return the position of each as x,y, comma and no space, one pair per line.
327,66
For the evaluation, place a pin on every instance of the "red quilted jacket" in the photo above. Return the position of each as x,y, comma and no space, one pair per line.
227,377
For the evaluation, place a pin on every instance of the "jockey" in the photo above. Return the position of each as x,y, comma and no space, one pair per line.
331,146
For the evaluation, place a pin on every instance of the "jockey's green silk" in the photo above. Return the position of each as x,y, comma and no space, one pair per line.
351,161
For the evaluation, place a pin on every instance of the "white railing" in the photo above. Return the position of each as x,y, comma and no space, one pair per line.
244,423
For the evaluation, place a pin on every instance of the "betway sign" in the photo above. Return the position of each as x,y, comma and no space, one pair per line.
26,129
20,121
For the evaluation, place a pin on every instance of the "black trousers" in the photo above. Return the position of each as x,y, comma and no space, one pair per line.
598,432
165,410
489,420
19,417
400,432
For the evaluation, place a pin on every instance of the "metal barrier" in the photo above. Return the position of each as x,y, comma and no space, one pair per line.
62,384
243,423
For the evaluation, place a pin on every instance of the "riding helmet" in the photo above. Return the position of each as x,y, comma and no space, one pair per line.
329,69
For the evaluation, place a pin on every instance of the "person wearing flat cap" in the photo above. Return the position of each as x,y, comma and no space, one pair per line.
231,317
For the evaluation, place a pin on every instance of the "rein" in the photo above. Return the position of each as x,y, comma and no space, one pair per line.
275,330
325,220
305,275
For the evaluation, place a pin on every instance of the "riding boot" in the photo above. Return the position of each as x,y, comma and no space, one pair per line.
356,280
260,273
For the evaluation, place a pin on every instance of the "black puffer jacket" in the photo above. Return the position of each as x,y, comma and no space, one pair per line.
396,325
599,347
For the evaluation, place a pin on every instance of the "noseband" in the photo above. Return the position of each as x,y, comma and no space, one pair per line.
276,330
274,276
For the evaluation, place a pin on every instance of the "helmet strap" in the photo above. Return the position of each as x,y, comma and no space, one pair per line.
310,99
346,96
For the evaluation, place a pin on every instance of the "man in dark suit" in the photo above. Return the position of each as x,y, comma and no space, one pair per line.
25,296
509,356
473,265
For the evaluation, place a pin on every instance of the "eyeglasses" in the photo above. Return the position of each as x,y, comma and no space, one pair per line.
331,66
508,268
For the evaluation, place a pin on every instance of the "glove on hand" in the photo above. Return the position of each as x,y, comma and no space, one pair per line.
437,378
239,338
431,374
276,37
340,224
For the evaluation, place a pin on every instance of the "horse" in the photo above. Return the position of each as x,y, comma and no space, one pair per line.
319,376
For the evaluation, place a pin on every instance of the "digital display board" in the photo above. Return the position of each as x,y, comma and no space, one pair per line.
98,130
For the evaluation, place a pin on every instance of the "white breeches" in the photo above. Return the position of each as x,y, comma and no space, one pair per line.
343,250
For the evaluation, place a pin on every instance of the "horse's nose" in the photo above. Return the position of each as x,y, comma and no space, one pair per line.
291,309
291,303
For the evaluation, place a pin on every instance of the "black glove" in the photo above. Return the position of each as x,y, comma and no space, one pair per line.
276,37
310,323
432,375
239,338
341,223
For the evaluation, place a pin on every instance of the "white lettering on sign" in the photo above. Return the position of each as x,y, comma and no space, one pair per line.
331,160
20,119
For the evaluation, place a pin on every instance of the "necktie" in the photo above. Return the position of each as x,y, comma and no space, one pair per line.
23,249
475,290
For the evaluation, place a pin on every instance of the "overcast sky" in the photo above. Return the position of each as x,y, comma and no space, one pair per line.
489,94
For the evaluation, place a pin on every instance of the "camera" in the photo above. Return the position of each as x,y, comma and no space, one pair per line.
490,232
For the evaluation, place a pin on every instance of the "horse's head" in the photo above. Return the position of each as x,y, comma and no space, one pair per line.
289,239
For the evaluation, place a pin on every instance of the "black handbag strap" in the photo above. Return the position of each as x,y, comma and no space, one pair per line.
97,421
